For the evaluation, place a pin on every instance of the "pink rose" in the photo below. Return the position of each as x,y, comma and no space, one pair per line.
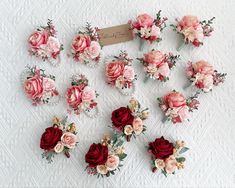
88,94
154,57
138,125
74,96
129,73
114,69
170,164
37,38
33,87
80,42
112,162
93,51
69,140
155,33
48,84
52,45
142,21
203,67
163,70
174,100
204,82
188,21
183,113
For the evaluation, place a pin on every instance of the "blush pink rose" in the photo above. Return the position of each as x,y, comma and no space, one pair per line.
183,113
52,45
48,84
163,70
155,33
142,21
188,21
37,38
204,82
69,140
129,73
93,51
174,100
114,70
154,57
33,87
74,96
203,67
170,164
80,42
112,162
88,94
138,125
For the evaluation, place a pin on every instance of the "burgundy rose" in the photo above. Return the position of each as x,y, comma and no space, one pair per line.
97,155
161,148
122,117
50,138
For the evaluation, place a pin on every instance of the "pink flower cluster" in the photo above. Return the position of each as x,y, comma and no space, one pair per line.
80,96
85,46
44,44
203,76
38,87
148,28
158,65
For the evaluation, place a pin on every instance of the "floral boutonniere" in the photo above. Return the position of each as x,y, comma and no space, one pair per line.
105,158
166,156
203,76
81,97
157,65
60,138
120,73
86,47
176,107
44,44
147,28
192,30
129,120
39,87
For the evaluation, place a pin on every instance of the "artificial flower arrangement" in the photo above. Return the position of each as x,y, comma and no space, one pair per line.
39,87
203,76
120,73
85,46
192,30
105,158
129,120
176,107
147,28
59,138
81,97
167,156
157,65
44,44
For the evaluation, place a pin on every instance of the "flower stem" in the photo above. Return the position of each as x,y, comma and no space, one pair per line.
141,47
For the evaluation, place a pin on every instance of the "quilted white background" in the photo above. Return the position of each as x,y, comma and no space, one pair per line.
210,134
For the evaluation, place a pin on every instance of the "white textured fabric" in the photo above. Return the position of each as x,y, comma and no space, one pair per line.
209,134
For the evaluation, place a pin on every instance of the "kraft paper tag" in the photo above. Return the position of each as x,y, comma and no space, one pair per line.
116,34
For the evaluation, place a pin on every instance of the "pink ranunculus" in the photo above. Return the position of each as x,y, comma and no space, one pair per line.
154,57
93,51
163,70
114,69
69,140
170,164
188,21
80,43
129,73
88,94
74,96
203,67
52,45
112,162
174,100
138,125
48,84
37,38
33,87
142,21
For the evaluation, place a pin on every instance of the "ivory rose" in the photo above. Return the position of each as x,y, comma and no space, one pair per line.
37,38
80,42
102,169
68,139
138,125
59,147
88,94
170,164
33,87
112,162
128,130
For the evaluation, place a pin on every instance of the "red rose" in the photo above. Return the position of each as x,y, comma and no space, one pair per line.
50,138
122,117
161,148
97,155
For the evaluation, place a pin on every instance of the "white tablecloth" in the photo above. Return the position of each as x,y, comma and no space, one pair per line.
209,134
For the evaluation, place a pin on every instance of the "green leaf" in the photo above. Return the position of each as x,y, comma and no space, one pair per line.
180,159
122,156
184,149
164,172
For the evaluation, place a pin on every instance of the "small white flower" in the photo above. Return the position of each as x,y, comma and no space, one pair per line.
145,32
128,130
59,147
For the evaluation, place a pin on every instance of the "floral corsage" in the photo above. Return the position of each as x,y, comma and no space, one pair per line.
147,28
158,65
192,30
44,44
166,156
202,75
176,107
104,159
60,138
39,87
81,97
129,120
86,47
120,73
